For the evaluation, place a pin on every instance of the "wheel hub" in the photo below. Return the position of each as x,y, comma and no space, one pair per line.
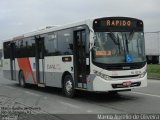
68,86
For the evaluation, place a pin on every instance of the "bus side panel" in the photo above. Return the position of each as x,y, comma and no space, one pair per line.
49,72
54,69
17,69
27,65
6,69
63,67
32,77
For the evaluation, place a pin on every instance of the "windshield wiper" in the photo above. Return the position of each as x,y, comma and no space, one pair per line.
118,44
130,36
123,43
126,42
113,37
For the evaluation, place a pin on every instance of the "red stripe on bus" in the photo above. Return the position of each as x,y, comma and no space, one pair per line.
24,64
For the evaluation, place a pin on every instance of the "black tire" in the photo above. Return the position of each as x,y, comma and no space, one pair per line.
22,80
68,86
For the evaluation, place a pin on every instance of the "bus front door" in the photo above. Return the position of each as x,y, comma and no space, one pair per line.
40,60
80,58
12,61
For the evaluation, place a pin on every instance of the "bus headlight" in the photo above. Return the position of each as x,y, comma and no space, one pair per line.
142,75
106,77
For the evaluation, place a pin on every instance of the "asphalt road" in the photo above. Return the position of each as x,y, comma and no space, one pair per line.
51,102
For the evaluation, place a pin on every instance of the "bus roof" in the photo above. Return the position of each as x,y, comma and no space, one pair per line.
48,29
51,29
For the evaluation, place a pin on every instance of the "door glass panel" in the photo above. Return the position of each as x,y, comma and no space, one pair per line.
80,56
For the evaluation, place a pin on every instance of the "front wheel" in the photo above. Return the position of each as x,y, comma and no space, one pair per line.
68,86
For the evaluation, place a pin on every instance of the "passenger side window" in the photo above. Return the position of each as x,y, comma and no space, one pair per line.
65,41
25,47
51,44
6,47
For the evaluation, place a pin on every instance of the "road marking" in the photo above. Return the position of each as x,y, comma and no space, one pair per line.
70,105
32,93
146,94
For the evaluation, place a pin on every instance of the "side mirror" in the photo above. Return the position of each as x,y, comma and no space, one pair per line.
92,38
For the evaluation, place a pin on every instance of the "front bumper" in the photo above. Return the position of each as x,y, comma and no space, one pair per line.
102,85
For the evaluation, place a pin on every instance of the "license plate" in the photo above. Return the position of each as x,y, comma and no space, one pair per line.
127,83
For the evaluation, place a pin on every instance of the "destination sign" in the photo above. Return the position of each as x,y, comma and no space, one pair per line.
117,24
127,23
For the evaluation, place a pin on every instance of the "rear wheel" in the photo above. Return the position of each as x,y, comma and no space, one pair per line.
68,86
21,79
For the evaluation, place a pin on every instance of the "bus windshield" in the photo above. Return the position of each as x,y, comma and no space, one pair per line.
118,47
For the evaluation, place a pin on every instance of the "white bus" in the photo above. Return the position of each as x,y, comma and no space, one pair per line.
101,55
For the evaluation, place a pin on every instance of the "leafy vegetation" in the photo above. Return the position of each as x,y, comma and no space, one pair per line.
153,71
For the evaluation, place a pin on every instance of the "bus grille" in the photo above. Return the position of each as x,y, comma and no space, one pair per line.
128,76
135,84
